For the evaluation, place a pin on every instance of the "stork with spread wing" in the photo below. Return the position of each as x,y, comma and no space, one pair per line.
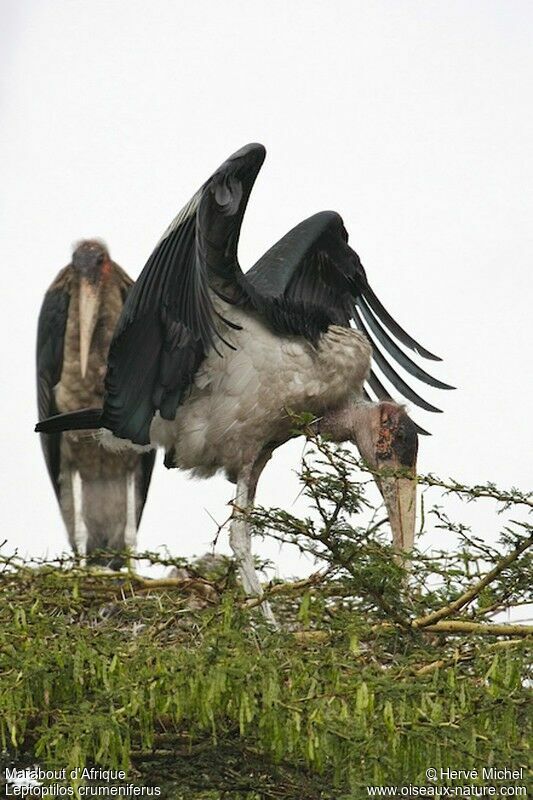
206,360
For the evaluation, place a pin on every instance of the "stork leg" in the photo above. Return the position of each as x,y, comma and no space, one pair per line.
81,534
240,536
130,530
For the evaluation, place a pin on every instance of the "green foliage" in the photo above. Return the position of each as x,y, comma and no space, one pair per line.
182,683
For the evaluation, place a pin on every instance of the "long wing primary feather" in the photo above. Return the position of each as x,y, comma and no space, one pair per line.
393,376
377,306
311,279
399,356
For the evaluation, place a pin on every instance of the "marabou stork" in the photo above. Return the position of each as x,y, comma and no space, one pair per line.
101,494
206,360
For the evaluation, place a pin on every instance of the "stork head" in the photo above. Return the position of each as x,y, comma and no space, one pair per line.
388,442
90,261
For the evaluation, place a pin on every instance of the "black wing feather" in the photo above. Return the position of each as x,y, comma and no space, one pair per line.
50,343
381,312
392,348
393,376
311,279
306,282
168,322
301,284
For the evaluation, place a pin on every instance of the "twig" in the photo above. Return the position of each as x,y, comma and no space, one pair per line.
286,588
460,626
470,594
199,585
485,629
488,491
445,662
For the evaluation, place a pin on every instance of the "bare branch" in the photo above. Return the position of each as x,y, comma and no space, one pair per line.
473,592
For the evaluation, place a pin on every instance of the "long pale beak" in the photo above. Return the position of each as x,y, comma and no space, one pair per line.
89,304
399,495
388,441
395,451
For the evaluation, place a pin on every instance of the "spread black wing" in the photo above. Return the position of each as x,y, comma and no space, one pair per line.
168,322
309,280
312,278
146,461
50,342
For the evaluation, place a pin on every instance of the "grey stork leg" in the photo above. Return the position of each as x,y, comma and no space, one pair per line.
130,530
81,534
240,537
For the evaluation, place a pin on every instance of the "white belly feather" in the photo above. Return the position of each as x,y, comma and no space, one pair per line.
239,402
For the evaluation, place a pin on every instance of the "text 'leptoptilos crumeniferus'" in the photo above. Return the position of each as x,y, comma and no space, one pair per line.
101,494
206,360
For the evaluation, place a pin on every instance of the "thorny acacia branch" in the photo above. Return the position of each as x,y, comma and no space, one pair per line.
473,592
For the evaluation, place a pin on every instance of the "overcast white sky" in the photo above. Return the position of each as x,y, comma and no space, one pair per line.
412,119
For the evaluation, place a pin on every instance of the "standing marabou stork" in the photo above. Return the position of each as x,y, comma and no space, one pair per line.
206,360
101,494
